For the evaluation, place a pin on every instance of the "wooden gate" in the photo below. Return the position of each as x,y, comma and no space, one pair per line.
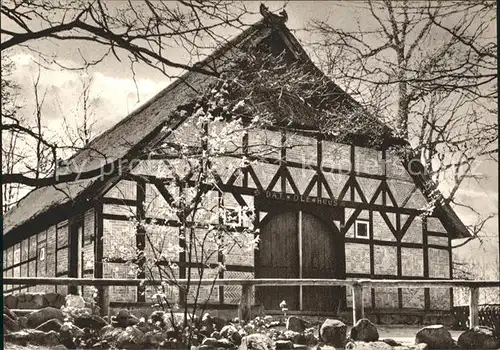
296,244
279,258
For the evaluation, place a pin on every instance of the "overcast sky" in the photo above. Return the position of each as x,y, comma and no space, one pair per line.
115,96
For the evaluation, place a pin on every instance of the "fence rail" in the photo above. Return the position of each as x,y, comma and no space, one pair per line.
244,308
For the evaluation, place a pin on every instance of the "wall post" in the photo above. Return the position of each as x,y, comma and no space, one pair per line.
358,311
245,308
473,307
105,301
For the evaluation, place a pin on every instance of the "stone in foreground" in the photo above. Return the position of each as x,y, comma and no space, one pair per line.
435,336
295,324
284,344
479,337
333,332
361,345
34,337
364,330
51,325
257,341
36,318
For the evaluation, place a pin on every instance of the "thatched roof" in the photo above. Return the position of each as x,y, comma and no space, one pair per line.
131,133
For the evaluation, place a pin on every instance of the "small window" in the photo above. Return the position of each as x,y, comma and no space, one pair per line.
362,229
41,254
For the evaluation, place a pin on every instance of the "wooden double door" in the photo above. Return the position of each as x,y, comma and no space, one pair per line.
298,244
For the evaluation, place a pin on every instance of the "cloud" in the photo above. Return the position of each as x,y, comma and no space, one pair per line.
112,97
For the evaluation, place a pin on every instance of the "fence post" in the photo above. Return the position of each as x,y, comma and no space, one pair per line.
473,307
244,309
358,311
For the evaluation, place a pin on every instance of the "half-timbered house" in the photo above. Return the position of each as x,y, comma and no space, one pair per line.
351,203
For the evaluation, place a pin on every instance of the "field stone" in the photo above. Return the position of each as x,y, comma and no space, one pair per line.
421,346
68,332
90,321
50,325
284,344
391,342
158,316
257,341
33,336
38,317
216,335
228,330
236,337
31,301
110,333
54,299
224,343
130,338
105,329
268,319
9,313
23,321
435,336
333,332
293,336
123,319
75,301
376,345
209,341
295,324
10,301
218,322
146,327
9,324
479,337
364,330
153,338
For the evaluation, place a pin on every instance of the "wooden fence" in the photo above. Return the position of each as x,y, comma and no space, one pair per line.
244,308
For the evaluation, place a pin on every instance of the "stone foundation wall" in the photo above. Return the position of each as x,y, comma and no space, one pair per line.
407,316
34,300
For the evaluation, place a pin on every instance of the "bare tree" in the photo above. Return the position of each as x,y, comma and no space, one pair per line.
24,148
29,149
79,124
11,153
141,32
429,68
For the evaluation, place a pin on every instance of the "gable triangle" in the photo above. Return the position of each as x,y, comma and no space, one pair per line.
290,184
417,200
327,191
390,200
406,221
275,184
368,186
253,180
385,229
378,195
359,196
336,182
300,177
236,178
401,190
345,191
